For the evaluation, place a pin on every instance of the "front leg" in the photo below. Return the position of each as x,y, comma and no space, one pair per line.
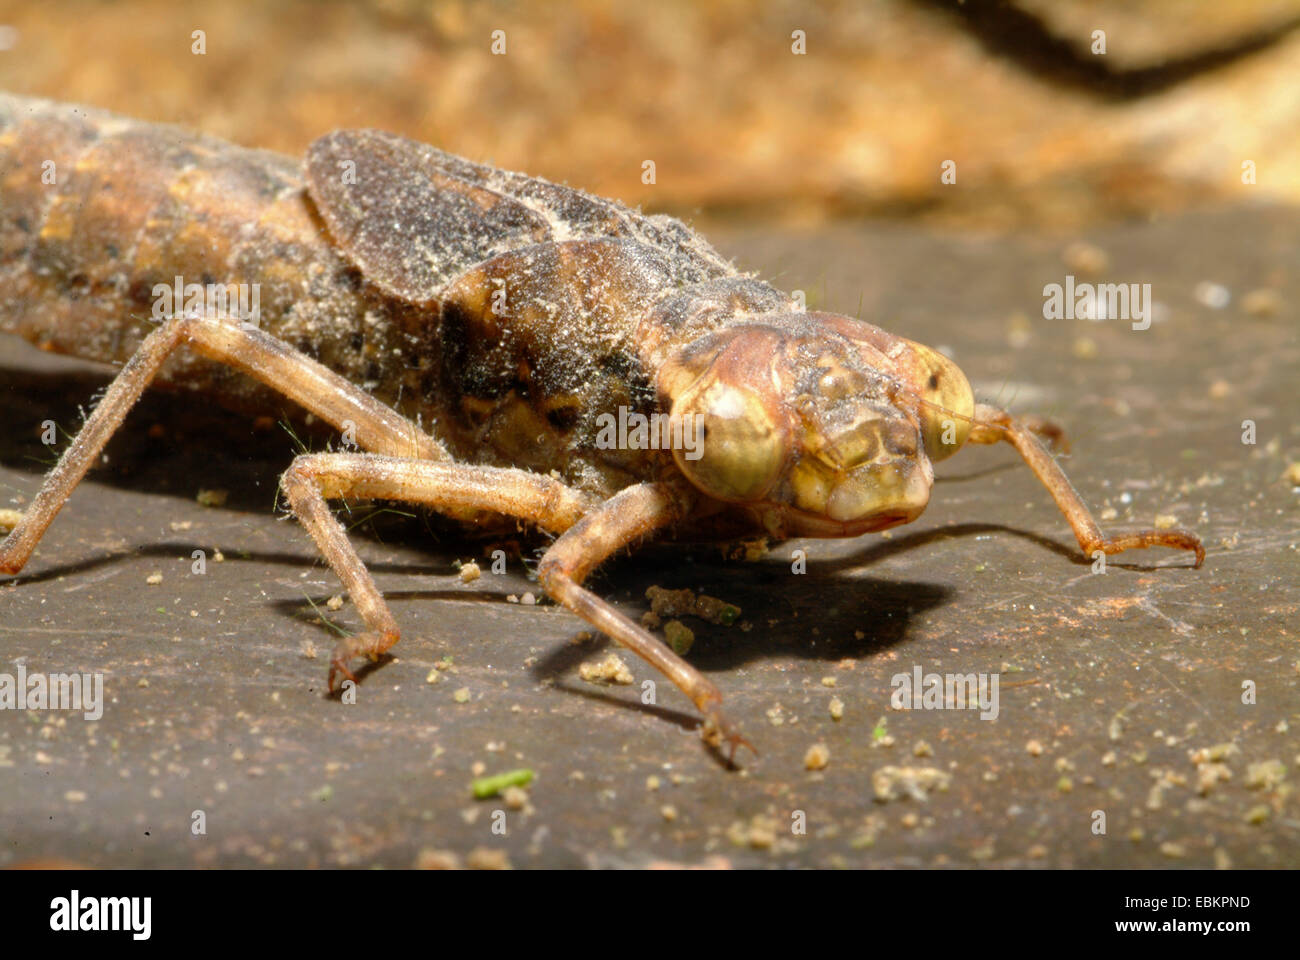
622,520
993,425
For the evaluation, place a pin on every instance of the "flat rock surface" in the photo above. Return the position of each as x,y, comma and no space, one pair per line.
1109,684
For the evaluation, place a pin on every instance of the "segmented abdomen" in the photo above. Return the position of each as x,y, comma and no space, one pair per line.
95,211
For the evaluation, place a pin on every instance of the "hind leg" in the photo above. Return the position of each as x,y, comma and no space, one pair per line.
318,389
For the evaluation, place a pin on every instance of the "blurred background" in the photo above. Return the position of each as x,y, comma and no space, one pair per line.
1043,127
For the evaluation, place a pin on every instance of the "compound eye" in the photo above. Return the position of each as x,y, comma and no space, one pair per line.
945,425
739,451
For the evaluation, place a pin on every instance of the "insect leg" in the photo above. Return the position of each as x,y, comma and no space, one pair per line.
449,487
249,350
1086,529
616,523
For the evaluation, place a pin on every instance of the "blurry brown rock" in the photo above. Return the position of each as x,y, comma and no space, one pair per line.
1036,126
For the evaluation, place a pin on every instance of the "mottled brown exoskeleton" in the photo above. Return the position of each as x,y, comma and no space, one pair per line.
470,327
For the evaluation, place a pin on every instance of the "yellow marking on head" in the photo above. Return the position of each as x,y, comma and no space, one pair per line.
743,450
947,403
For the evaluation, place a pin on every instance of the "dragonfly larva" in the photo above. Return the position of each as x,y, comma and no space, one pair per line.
476,333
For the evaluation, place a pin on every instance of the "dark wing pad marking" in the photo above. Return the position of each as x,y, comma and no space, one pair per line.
414,218
409,226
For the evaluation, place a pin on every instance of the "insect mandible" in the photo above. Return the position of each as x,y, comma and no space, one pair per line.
474,331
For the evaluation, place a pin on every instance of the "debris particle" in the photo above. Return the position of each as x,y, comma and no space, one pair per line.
1086,259
1262,302
1213,295
461,695
1265,775
469,572
1084,348
817,757
1165,521
610,670
1292,474
682,603
1257,815
922,749
154,578
1034,748
428,859
890,783
335,602
1209,774
837,708
485,858
1173,851
516,798
212,498
433,676
1214,754
759,833
679,636
9,518
750,551
528,600
668,812
671,603
879,732
829,681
